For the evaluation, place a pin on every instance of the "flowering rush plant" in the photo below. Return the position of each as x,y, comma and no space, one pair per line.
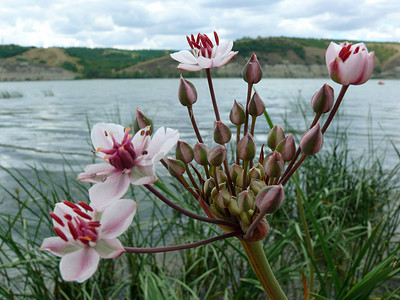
237,193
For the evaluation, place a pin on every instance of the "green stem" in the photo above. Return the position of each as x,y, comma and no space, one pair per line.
261,267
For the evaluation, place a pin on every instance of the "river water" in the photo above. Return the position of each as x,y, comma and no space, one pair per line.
42,123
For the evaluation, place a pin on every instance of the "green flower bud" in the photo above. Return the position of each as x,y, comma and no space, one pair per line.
246,200
187,93
252,72
234,171
141,121
221,176
322,101
222,133
175,167
256,185
246,148
287,148
237,114
208,186
215,211
270,198
223,198
311,142
233,207
273,164
275,136
200,153
261,168
184,152
217,155
254,173
256,105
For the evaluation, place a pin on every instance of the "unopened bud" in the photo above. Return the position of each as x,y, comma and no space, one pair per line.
270,198
223,198
184,152
141,121
246,200
275,136
256,185
222,133
246,148
215,211
176,167
252,72
322,101
217,155
254,173
261,168
273,164
237,114
234,207
240,180
200,153
234,171
287,148
221,176
256,105
245,221
208,186
187,93
311,142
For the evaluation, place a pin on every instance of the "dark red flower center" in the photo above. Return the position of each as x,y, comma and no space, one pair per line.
203,43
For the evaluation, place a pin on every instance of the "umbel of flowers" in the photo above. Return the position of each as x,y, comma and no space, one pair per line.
236,193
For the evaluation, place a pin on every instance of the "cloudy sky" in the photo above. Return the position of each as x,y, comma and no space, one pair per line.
151,24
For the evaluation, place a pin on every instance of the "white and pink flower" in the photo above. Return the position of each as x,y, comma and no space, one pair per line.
128,159
204,54
349,64
85,235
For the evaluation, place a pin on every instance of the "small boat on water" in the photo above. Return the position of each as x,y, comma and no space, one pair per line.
381,83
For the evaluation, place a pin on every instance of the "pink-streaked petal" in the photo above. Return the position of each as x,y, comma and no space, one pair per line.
190,68
368,69
226,59
105,193
79,265
162,142
101,135
143,173
110,248
225,48
117,218
352,68
331,53
96,172
58,246
205,63
335,71
185,57
140,141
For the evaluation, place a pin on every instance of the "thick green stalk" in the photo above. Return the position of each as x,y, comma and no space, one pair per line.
261,267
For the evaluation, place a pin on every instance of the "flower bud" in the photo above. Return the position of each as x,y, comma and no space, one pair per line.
245,220
141,121
287,148
240,180
246,200
275,136
187,93
215,211
273,164
322,101
256,106
252,72
260,232
221,176
256,185
234,171
254,173
175,167
246,148
311,142
223,198
261,168
208,186
237,114
217,155
184,152
200,153
270,198
234,207
222,133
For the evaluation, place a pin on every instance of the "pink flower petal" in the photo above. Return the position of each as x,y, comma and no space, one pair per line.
225,48
103,194
226,59
110,248
140,141
205,63
331,53
58,247
79,265
190,68
117,218
185,57
101,135
143,173
162,142
96,172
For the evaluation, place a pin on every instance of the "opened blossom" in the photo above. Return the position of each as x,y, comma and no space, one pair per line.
128,159
204,54
84,235
348,63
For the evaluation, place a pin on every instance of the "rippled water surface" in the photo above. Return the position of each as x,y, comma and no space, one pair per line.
44,122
